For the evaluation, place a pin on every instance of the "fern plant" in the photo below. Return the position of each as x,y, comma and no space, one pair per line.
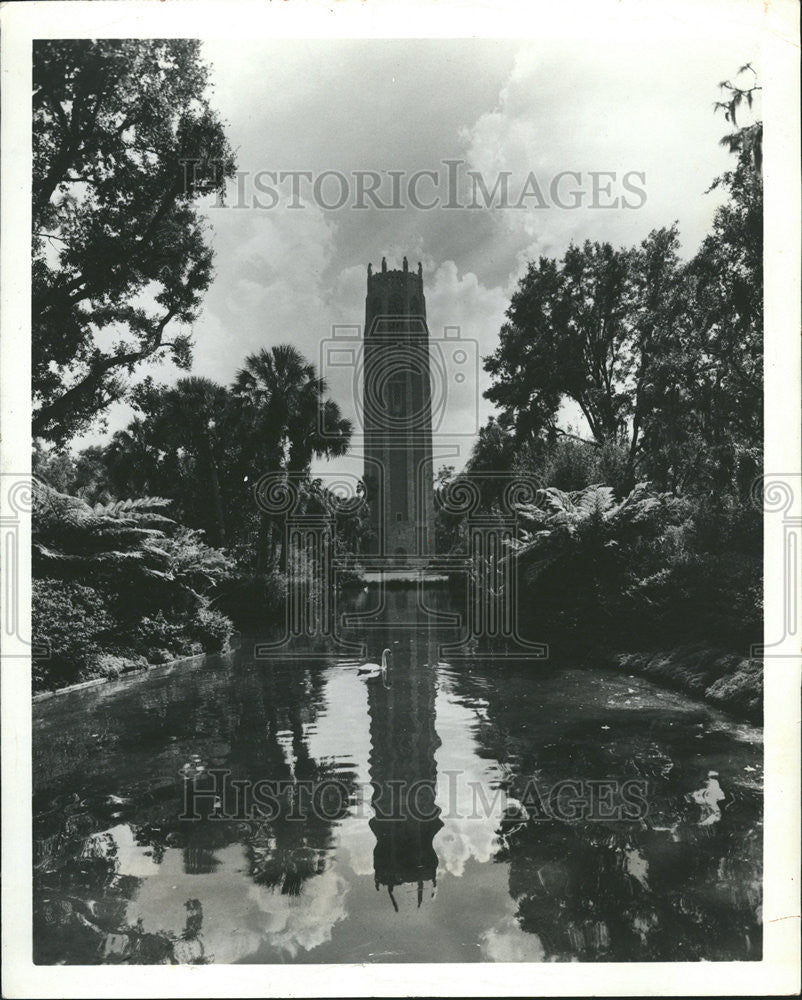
194,564
124,544
119,579
76,541
560,521
580,554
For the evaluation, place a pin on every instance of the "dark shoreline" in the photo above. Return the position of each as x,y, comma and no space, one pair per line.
124,675
725,680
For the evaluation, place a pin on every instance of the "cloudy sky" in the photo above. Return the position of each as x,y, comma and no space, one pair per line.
634,103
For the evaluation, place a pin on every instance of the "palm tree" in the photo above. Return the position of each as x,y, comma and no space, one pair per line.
193,416
290,418
179,448
132,460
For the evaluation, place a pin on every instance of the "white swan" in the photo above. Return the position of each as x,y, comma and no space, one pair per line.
375,669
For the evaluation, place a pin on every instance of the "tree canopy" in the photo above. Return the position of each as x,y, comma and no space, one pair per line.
124,143
663,357
205,445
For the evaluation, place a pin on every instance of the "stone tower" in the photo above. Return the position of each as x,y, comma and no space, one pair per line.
397,411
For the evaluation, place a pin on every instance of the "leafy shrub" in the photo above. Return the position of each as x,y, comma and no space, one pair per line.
141,558
168,637
708,582
740,689
112,665
578,554
135,583
71,625
654,569
703,596
159,656
213,629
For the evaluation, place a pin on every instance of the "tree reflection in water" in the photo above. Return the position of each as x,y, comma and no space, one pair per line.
110,765
670,887
258,722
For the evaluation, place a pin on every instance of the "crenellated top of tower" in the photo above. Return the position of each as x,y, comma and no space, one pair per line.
395,276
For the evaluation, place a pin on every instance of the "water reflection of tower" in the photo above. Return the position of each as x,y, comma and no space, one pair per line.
403,769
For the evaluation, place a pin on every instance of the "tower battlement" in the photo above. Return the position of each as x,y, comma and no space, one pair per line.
398,279
394,275
392,294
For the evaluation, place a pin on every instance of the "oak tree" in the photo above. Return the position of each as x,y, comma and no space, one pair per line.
125,142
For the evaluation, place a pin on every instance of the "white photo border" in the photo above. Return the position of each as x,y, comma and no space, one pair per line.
776,24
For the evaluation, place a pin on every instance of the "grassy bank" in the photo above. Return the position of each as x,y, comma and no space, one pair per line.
727,680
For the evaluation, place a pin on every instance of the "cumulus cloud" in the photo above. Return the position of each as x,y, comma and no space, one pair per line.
541,106
292,925
239,917
613,109
506,942
276,291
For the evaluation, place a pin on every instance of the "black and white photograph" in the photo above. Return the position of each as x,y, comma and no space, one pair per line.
400,498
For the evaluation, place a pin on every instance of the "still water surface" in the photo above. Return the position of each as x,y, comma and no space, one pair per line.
120,877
